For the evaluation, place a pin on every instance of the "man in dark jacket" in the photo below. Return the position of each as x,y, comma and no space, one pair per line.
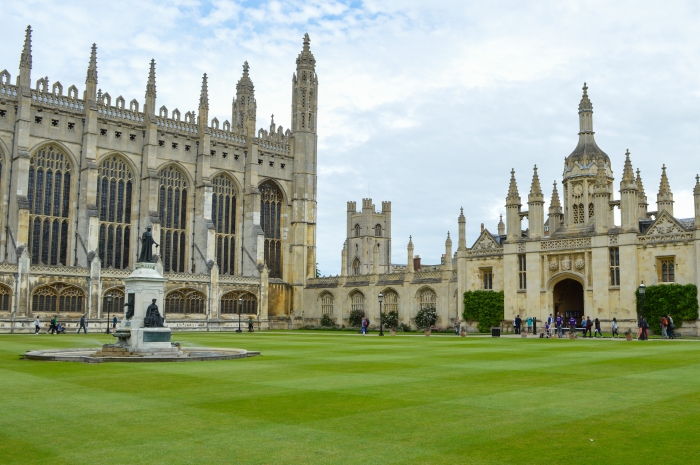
82,326
587,327
518,322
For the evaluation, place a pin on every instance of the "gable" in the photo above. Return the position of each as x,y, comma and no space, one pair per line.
665,224
486,242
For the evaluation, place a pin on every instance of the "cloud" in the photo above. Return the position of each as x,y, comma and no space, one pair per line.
428,104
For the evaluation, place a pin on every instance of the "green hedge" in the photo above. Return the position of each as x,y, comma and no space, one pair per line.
485,307
678,300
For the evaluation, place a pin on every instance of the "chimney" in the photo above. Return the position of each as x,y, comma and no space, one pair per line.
416,262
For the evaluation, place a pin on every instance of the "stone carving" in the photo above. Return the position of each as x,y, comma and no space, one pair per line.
153,318
563,244
612,240
579,263
665,229
147,243
554,265
566,264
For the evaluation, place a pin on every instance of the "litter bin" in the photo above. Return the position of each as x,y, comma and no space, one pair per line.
495,332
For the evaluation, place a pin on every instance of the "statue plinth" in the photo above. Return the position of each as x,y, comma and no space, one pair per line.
144,286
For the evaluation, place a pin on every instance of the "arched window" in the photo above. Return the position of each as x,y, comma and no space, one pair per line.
378,230
327,304
48,194
223,214
58,298
391,301
185,301
590,210
357,301
172,209
230,304
117,305
114,185
357,230
270,220
5,298
428,299
356,267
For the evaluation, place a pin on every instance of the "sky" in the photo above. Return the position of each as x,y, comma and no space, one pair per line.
426,104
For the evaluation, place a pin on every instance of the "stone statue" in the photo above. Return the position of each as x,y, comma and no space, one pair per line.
147,244
153,318
129,307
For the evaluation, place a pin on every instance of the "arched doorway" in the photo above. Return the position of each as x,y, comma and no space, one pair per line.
568,299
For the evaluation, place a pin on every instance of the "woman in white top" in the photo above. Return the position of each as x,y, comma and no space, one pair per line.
37,325
615,329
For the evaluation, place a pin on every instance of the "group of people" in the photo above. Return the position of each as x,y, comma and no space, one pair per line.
518,322
365,325
590,327
56,327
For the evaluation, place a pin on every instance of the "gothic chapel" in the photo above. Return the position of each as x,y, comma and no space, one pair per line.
82,174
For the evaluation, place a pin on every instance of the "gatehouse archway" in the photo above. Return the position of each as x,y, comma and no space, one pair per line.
568,299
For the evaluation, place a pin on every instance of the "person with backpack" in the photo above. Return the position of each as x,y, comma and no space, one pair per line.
597,329
615,330
83,325
587,325
664,325
669,329
37,325
560,322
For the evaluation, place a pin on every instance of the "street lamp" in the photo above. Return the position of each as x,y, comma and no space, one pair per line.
381,325
109,309
240,309
642,290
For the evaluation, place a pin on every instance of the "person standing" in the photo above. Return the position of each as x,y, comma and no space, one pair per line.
364,326
664,325
597,329
37,325
615,329
572,325
560,323
518,322
587,326
114,322
669,330
458,324
82,326
250,324
529,324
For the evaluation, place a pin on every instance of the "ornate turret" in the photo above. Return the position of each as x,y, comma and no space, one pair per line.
91,78
664,200
501,226
409,265
601,199
150,107
513,209
448,252
204,103
586,150
25,60
244,106
555,215
535,202
696,196
629,197
641,197
304,91
462,239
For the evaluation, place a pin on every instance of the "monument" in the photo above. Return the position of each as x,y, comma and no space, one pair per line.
143,328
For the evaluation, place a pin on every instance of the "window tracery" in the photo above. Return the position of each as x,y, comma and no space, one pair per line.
327,304
223,214
356,265
117,304
230,304
5,298
49,196
185,301
428,299
172,209
271,218
114,188
378,230
58,298
391,301
357,301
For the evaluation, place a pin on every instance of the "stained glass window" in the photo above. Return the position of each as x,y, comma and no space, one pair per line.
185,301
117,304
48,194
230,303
58,298
5,299
223,214
270,220
172,209
114,185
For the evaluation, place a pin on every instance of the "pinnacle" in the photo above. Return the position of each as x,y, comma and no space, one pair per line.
696,190
410,241
601,179
628,172
513,195
585,104
151,86
555,197
92,67
664,186
535,189
449,240
25,60
204,94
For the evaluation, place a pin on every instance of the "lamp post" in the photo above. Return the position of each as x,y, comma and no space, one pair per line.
642,290
381,323
109,309
240,309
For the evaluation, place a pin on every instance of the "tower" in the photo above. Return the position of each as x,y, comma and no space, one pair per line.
535,203
513,227
368,243
629,199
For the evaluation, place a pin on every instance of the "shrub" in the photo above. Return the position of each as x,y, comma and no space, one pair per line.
355,318
426,317
391,319
405,328
678,300
484,307
327,321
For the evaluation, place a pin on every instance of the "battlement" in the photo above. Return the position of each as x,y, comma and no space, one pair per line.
386,207
352,206
367,204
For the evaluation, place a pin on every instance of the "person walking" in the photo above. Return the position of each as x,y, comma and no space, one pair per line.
37,325
587,325
550,320
364,326
529,324
458,324
53,327
82,326
614,329
518,322
664,325
669,330
597,328
250,324
114,322
572,325
560,322
643,327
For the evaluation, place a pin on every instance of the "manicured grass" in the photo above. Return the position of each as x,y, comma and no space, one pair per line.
322,397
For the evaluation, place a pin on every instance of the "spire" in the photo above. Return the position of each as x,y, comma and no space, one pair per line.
25,60
640,186
628,172
462,238
92,67
664,200
409,263
664,187
601,179
513,197
535,189
586,150
585,105
151,86
306,58
410,242
448,242
555,198
204,95
696,190
244,107
501,226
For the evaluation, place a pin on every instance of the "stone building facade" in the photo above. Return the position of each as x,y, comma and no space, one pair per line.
82,175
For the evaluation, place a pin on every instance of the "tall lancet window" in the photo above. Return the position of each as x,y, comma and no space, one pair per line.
270,220
172,209
114,187
223,214
49,200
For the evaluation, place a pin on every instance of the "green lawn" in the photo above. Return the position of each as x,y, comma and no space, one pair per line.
319,397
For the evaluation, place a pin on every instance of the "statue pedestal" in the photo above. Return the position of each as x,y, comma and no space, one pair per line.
142,286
